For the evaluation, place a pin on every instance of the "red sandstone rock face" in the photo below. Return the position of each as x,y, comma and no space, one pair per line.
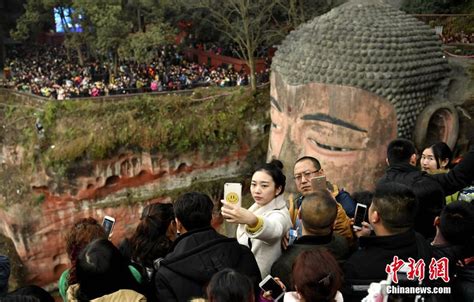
98,189
43,250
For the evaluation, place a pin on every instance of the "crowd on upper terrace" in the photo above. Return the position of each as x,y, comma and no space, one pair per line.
50,72
229,50
461,37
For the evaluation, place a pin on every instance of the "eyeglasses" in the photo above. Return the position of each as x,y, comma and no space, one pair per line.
307,175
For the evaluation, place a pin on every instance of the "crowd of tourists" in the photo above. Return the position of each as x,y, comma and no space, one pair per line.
229,50
51,72
461,37
416,231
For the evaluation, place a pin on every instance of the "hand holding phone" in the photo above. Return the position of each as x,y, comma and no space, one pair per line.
359,216
269,285
108,225
292,235
319,183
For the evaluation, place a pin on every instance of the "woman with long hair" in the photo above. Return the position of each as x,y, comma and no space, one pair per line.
152,238
103,272
82,233
437,159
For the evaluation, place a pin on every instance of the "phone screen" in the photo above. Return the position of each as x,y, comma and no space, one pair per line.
274,287
108,225
359,215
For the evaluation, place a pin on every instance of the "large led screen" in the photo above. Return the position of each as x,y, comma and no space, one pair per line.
63,17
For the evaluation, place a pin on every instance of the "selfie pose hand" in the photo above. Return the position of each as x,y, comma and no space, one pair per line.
236,214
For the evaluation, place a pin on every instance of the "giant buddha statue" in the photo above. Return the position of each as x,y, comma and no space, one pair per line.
346,83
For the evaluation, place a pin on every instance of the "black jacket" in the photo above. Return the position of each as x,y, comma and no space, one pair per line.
336,244
427,190
375,252
454,253
406,174
368,263
430,206
461,277
464,284
4,274
195,257
458,178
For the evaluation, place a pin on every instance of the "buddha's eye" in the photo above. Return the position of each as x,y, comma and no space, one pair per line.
276,119
327,147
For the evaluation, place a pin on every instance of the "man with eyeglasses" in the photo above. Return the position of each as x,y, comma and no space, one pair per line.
305,169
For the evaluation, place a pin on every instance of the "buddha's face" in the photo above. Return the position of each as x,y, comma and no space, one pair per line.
347,129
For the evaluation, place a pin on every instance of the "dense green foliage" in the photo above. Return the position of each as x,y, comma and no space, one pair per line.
172,124
107,27
212,122
451,24
436,6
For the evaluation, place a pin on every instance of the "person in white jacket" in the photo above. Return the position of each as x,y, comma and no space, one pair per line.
262,226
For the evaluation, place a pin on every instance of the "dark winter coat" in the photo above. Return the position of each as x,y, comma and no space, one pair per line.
428,187
429,194
196,256
455,180
4,274
461,277
336,244
368,263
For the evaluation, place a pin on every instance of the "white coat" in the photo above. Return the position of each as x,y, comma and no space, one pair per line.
266,243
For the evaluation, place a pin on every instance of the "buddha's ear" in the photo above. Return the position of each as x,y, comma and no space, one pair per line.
439,122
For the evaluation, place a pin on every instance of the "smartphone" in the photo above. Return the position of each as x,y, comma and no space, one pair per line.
292,235
233,193
108,224
269,284
319,183
359,216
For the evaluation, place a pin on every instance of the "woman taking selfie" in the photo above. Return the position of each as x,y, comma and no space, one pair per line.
262,226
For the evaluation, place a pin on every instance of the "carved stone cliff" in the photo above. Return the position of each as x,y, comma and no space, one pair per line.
38,206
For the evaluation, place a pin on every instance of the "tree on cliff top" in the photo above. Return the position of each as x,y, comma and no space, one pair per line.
251,24
246,23
301,11
107,24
